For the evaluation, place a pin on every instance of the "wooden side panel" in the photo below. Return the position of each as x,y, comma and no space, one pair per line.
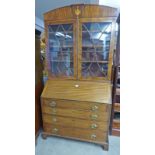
112,47
75,132
38,123
38,85
75,123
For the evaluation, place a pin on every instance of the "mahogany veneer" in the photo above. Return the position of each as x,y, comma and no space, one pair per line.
76,100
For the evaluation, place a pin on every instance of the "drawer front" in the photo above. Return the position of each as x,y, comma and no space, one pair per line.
75,123
92,106
90,135
116,124
117,107
76,113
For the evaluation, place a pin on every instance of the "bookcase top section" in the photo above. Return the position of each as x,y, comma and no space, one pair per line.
78,90
81,11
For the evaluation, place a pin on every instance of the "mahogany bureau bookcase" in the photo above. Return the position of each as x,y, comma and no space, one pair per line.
76,100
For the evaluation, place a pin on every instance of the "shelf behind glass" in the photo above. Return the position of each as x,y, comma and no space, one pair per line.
61,46
62,68
95,56
103,62
62,61
61,56
61,32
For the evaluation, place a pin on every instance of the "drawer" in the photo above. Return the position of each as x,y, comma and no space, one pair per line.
117,107
115,132
75,123
83,134
92,106
76,113
116,124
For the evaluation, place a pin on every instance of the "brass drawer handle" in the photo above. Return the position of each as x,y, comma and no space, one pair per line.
52,104
54,111
93,136
55,130
94,126
76,85
94,108
94,116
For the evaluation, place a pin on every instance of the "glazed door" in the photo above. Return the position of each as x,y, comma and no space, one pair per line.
61,60
96,49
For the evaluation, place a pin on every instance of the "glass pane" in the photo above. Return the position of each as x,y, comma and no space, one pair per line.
61,49
95,48
91,69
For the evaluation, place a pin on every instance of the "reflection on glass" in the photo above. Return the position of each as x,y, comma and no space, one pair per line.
95,49
61,49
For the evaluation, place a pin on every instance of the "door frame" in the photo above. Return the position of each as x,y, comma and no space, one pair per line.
47,63
112,46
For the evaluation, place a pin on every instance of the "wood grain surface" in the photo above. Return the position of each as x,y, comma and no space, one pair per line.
75,113
75,122
69,104
86,11
78,91
75,132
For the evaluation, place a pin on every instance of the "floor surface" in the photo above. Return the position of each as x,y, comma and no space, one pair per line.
61,146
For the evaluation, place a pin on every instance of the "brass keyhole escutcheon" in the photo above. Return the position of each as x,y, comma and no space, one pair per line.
54,119
94,108
55,130
94,126
93,136
52,104
94,116
76,86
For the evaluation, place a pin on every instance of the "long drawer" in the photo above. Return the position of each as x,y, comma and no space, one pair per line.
75,123
68,104
91,135
98,116
116,124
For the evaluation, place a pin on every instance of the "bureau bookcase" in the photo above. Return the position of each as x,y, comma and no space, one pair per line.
76,100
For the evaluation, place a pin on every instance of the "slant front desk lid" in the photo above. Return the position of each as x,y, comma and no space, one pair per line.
78,91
